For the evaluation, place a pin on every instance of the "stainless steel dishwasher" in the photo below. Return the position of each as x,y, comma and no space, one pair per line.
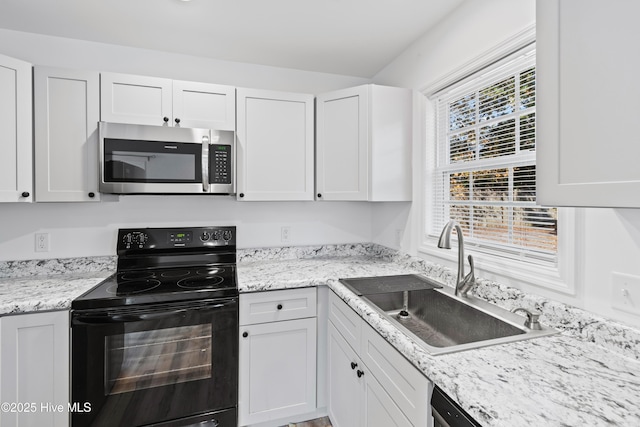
447,413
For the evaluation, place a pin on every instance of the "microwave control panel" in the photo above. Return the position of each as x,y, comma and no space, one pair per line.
220,164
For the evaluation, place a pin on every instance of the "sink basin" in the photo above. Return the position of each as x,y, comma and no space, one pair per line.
443,323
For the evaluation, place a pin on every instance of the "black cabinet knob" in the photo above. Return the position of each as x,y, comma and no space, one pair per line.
177,120
241,194
166,119
319,195
279,306
245,334
92,194
353,365
360,373
25,194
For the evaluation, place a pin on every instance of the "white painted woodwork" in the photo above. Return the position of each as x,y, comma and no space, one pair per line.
587,90
346,320
204,105
66,114
262,307
380,410
364,144
344,388
390,391
275,145
277,370
142,100
278,356
341,148
34,367
399,379
15,130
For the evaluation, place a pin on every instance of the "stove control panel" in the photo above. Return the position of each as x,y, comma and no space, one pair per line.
150,239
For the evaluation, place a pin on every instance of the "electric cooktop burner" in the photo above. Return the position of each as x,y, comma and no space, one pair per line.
202,282
133,287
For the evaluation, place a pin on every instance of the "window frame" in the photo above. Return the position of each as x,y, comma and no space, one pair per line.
562,276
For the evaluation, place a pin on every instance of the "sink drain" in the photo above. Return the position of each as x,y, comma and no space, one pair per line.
403,315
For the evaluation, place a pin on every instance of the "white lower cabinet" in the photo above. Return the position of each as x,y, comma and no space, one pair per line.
34,369
277,351
369,382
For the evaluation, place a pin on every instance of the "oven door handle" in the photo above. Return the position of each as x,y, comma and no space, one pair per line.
111,318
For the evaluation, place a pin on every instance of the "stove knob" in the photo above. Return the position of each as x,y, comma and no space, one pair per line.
216,235
205,236
226,235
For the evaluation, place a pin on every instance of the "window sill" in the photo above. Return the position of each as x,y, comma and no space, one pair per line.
502,270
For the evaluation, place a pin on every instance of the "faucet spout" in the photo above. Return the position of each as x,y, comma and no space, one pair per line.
463,283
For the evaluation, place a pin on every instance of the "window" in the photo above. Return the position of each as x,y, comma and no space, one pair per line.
484,172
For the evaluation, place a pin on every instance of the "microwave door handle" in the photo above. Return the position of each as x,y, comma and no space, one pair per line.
205,164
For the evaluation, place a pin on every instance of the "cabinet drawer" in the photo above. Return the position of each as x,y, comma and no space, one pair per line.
273,306
346,321
406,386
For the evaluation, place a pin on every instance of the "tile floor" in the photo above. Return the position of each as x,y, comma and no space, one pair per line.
318,422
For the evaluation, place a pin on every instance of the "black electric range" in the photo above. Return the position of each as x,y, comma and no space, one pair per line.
156,344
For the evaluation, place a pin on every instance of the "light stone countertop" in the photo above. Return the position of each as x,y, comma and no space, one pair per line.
589,375
42,293
560,380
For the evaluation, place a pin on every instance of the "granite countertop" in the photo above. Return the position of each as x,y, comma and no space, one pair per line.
41,293
589,374
560,380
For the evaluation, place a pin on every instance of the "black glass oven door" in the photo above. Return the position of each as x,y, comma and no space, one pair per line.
140,366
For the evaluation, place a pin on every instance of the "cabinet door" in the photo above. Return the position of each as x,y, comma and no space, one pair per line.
404,387
138,100
277,370
344,387
66,114
342,145
275,145
379,409
15,131
587,146
203,105
34,368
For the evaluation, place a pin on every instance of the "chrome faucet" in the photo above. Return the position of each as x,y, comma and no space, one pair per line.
463,283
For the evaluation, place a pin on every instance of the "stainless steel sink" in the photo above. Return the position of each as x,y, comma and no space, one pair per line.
443,323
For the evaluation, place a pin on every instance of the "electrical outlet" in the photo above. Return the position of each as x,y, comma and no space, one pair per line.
285,234
42,242
625,293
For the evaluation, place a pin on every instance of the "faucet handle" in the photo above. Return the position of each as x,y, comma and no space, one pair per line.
532,317
472,273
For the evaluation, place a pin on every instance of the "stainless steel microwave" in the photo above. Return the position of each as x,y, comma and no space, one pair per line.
137,159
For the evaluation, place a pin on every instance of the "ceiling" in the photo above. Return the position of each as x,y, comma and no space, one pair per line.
350,37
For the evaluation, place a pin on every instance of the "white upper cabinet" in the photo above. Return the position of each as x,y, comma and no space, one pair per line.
156,101
588,90
204,105
66,114
15,131
364,144
275,145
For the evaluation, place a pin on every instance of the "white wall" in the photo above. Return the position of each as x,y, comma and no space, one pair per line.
88,229
69,53
611,237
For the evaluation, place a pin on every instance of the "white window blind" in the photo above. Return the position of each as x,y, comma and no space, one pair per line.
484,176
